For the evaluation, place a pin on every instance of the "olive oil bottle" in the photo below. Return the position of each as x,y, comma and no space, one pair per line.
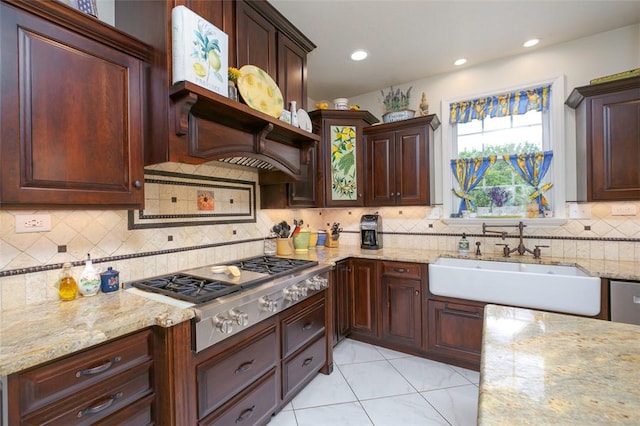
67,286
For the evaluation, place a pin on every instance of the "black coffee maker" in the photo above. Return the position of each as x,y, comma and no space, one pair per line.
370,229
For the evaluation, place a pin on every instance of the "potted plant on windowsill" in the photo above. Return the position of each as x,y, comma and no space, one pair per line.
396,105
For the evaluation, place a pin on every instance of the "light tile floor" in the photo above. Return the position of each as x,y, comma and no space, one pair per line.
376,386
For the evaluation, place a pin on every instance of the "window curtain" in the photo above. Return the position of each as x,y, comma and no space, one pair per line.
507,104
469,173
532,168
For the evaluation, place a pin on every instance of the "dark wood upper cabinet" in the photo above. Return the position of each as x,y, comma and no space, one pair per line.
399,162
73,116
193,125
608,140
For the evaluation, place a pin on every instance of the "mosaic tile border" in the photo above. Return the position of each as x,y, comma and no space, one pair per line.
246,214
43,268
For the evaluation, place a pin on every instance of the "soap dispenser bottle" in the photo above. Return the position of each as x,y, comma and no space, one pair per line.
90,279
463,244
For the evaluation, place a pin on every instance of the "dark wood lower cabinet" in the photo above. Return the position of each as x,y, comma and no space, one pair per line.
402,303
455,332
109,384
341,280
363,298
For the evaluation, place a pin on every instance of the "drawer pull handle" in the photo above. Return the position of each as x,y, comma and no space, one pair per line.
401,270
245,366
101,407
307,361
246,414
99,369
307,326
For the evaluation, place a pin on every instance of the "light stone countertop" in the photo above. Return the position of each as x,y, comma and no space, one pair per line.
41,333
543,368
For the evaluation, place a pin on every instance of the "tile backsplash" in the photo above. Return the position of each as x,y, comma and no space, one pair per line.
29,262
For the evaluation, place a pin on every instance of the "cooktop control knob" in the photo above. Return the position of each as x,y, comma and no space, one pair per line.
225,325
291,293
317,283
240,318
269,305
302,290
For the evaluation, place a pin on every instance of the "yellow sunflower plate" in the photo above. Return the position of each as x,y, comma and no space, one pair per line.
259,91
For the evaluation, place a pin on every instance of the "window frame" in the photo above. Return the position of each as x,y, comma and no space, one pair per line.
556,143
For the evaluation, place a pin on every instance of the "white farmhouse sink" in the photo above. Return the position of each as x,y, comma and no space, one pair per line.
548,287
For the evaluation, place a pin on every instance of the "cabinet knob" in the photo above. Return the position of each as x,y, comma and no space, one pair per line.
137,184
397,194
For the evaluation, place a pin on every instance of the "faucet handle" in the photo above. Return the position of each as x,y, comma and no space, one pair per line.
536,251
505,250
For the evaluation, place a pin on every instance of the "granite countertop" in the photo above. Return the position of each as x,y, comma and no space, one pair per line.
40,333
544,368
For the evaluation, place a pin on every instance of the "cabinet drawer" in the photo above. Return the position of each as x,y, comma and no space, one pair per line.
222,377
43,385
302,328
253,407
307,363
402,269
140,413
99,401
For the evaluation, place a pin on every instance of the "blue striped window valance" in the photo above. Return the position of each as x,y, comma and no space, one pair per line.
507,104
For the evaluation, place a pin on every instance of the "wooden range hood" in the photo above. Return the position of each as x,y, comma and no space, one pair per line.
211,127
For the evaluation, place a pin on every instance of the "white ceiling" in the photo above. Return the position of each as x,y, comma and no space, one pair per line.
409,40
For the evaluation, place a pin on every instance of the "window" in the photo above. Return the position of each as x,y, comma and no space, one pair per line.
501,155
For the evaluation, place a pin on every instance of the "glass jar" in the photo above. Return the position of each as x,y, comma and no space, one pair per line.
67,286
270,245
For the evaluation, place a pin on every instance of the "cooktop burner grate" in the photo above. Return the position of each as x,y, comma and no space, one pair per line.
187,287
272,265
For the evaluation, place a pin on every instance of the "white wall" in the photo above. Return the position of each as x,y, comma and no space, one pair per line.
578,61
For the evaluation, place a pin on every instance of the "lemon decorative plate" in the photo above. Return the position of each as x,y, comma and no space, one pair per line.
259,91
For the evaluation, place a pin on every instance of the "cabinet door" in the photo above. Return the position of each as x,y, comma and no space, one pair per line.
615,146
256,39
381,173
292,72
412,166
401,311
344,172
303,193
455,332
341,301
363,297
72,118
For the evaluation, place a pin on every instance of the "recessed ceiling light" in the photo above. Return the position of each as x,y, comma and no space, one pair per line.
531,42
359,55
460,61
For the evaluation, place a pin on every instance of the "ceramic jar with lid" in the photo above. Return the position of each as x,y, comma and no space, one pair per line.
109,280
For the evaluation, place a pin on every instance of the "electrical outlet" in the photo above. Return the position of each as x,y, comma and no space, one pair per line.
623,210
33,223
579,211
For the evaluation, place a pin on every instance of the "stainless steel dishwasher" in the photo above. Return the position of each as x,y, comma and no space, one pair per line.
625,302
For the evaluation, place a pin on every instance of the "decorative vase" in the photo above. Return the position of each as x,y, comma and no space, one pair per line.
233,91
392,116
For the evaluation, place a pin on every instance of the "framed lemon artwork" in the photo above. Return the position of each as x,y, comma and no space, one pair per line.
259,91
